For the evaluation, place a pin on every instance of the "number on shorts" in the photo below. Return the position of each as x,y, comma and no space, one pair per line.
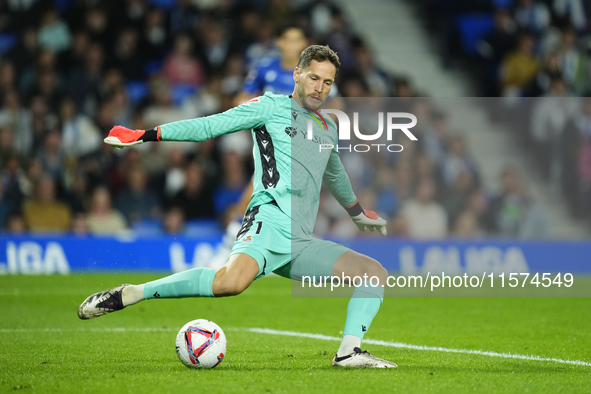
259,226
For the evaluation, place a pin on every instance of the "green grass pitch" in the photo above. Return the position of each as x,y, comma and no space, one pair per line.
46,348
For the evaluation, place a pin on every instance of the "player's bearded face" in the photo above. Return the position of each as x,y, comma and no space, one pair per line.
314,84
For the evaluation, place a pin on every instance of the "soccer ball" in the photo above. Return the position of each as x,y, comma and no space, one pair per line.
201,344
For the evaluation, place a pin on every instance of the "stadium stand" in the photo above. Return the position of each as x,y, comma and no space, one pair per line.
539,50
81,67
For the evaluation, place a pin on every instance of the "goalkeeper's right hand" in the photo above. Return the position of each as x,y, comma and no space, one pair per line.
121,137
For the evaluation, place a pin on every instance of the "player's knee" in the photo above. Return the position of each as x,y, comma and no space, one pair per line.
374,268
236,287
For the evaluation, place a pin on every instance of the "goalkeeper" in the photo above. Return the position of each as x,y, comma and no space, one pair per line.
276,231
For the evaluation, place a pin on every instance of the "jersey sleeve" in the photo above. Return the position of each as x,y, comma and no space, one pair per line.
337,181
246,116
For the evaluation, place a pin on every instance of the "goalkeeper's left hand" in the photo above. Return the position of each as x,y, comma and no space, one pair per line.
366,219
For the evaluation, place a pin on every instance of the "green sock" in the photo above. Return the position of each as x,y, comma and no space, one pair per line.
196,282
363,307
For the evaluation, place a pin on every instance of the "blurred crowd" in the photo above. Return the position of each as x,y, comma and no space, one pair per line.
540,48
536,54
75,68
432,188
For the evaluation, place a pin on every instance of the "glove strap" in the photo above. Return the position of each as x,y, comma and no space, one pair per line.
354,209
151,135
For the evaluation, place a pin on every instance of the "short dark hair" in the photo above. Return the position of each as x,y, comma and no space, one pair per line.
319,53
291,25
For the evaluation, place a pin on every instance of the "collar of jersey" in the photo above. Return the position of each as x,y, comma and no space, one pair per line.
312,113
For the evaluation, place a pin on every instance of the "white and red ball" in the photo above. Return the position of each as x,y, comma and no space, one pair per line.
201,344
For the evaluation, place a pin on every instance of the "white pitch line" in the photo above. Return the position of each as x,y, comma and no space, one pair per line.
311,336
419,347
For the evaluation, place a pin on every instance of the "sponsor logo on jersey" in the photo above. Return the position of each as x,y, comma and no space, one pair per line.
294,115
291,131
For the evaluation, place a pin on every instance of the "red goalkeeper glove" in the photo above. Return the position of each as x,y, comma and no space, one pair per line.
366,219
121,137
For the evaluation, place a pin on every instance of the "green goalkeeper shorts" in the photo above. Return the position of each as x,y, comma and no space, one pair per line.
265,236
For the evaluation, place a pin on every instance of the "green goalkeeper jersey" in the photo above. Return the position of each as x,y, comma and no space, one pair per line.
289,166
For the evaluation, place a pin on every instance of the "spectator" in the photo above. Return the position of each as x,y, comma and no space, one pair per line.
194,199
375,78
174,221
549,116
215,44
7,77
76,54
127,54
156,34
355,86
24,55
457,161
12,180
551,70
84,81
16,117
264,46
403,87
44,213
426,218
457,196
572,62
54,33
96,25
466,226
47,86
576,160
184,16
80,134
496,44
181,67
6,207
79,224
341,40
122,110
102,219
137,202
15,224
76,195
51,155
43,119
34,173
435,139
6,142
572,12
163,109
233,81
174,178
520,67
515,213
477,205
533,15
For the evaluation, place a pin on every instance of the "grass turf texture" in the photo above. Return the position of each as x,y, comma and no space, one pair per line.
57,352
